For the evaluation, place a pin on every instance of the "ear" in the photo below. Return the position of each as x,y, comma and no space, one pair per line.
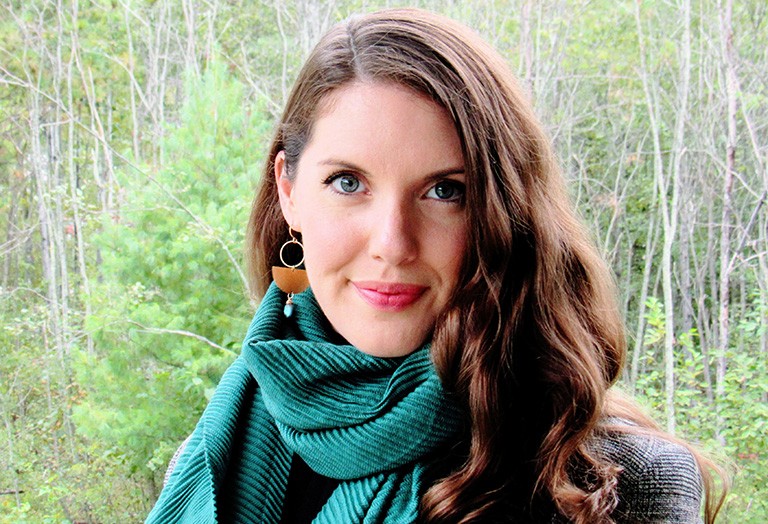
285,193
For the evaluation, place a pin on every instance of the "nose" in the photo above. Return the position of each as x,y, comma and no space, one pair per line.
393,236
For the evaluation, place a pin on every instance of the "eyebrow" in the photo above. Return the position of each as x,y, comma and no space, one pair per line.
352,167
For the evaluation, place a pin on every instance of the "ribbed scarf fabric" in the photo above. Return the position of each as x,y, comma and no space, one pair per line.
371,422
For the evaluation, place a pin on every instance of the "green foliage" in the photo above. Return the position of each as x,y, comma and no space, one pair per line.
740,420
35,440
745,411
172,307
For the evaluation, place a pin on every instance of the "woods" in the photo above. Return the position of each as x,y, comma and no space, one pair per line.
132,136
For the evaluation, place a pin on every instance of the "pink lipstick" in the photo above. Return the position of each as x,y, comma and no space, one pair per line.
389,296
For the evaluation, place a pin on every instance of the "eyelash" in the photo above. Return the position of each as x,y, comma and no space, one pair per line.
336,176
456,185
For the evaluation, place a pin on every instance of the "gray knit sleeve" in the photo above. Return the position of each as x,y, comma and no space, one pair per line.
174,460
660,481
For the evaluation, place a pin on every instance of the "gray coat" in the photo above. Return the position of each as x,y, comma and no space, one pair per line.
660,481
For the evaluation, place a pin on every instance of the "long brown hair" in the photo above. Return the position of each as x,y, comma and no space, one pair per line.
532,340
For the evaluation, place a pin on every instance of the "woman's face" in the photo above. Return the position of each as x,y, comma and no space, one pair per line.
378,196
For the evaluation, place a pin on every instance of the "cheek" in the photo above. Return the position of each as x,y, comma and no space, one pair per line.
450,253
328,245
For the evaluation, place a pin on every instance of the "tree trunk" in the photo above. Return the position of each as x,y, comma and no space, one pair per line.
724,277
666,188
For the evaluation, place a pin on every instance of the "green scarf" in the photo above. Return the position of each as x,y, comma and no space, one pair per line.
371,422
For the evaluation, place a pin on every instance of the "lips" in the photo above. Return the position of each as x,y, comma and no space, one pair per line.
389,296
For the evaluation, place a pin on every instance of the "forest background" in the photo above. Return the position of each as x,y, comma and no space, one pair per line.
132,135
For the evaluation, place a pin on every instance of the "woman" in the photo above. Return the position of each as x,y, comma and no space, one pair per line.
452,358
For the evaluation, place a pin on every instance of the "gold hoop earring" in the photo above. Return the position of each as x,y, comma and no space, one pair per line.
290,279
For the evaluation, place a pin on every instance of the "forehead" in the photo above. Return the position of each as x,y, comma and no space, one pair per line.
385,119
369,88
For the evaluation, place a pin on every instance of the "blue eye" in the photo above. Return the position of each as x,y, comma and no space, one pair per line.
447,191
346,184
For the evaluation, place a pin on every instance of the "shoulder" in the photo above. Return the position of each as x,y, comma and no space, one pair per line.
659,480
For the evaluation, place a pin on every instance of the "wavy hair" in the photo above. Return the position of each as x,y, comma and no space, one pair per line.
532,340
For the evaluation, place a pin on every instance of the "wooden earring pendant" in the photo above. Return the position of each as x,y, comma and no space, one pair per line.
290,279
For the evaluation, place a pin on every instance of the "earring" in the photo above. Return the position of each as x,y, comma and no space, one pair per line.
289,279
